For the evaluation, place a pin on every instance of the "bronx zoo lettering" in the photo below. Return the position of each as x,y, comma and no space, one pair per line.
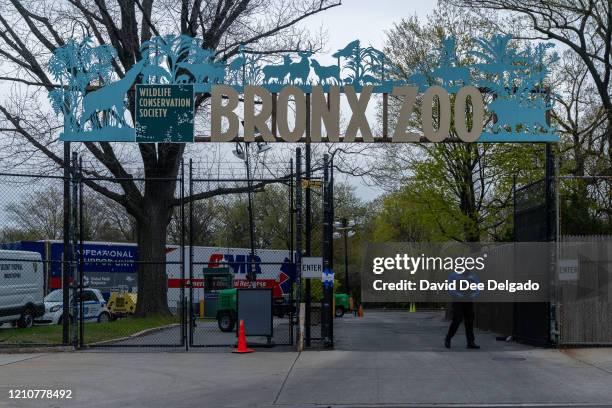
287,112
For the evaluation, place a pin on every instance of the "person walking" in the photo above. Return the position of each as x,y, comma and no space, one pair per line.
462,311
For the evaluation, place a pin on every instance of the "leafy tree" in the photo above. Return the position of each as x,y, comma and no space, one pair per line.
583,26
457,191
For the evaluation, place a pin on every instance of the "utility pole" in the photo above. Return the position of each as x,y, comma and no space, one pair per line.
251,276
346,275
347,230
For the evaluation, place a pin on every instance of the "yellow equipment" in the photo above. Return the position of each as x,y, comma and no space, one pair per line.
122,304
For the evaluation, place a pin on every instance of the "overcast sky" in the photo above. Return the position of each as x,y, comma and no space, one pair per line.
366,20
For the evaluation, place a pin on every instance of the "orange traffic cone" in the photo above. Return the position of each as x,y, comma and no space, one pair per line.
360,313
242,343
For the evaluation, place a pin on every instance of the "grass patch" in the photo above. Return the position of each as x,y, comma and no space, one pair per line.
94,332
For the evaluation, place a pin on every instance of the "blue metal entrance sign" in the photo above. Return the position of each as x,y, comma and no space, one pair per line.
505,85
164,113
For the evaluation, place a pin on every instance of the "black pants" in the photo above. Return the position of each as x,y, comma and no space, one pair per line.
463,311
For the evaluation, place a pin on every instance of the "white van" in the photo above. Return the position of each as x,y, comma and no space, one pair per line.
21,287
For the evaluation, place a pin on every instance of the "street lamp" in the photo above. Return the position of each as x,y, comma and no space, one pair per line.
243,154
346,229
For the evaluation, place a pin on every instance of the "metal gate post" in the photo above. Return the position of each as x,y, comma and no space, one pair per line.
551,236
73,242
298,233
327,264
291,254
67,251
81,258
308,238
188,309
182,259
551,230
308,223
330,232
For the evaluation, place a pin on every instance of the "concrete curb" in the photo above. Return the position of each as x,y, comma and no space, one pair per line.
35,349
24,349
137,334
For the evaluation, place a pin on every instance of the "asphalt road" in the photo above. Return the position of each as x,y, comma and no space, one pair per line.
206,333
386,359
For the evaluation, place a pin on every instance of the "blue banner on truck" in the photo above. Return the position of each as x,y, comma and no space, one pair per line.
107,266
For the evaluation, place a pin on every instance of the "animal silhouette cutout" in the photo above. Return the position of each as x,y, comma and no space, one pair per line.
511,114
453,78
183,79
368,79
152,74
110,96
326,73
211,73
236,67
452,75
419,79
301,69
347,51
278,72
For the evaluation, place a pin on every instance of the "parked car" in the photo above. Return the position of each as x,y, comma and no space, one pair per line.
21,287
94,307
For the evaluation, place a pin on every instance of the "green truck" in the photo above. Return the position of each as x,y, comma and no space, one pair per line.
226,308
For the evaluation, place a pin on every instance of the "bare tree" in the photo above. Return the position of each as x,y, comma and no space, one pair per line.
581,120
30,30
579,116
463,189
585,26
38,214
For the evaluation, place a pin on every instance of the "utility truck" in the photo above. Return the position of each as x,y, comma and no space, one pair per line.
21,287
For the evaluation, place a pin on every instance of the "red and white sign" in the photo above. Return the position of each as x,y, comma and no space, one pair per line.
270,268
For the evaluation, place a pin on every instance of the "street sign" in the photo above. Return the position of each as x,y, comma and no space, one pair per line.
312,267
306,183
164,113
568,270
328,278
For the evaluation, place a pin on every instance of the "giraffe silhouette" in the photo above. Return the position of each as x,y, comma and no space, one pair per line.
110,96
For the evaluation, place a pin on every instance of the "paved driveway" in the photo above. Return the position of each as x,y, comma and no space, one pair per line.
205,333
386,359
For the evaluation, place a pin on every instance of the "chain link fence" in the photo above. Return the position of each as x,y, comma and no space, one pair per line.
247,242
31,226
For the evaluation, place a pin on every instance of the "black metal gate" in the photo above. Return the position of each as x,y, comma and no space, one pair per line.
531,224
109,276
213,321
106,287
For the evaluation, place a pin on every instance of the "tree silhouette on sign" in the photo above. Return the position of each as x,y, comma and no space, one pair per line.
75,66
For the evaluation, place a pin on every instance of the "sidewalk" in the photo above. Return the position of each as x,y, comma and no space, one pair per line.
426,375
